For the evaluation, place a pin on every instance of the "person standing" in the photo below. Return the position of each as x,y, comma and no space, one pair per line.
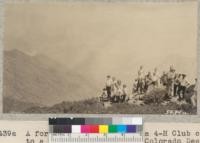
134,89
114,86
156,77
125,93
155,80
164,79
170,81
177,83
119,92
148,81
140,84
108,86
194,96
183,85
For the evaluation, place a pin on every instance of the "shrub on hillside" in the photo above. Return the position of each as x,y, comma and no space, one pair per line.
189,108
189,93
156,95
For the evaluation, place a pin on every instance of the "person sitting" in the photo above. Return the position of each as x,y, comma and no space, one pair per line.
104,95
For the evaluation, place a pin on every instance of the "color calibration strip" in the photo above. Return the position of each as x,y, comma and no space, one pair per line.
95,125
95,130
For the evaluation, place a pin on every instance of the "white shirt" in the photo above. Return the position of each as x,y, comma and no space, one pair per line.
171,75
155,77
114,82
125,91
140,74
109,82
120,90
184,82
114,92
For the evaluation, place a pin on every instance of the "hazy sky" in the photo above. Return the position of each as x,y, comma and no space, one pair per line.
97,39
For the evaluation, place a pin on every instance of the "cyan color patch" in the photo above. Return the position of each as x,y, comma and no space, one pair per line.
121,128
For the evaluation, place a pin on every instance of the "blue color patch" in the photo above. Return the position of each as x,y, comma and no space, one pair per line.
131,129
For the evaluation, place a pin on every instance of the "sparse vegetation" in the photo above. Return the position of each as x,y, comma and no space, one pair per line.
92,106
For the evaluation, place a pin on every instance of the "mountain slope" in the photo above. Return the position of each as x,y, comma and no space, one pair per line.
42,81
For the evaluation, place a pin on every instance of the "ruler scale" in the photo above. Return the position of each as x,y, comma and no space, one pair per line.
95,138
95,130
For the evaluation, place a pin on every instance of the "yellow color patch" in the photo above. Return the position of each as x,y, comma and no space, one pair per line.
103,129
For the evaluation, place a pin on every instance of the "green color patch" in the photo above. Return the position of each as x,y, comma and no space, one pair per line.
112,129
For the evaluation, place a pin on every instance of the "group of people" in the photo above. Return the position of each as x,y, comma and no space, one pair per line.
115,90
175,84
143,81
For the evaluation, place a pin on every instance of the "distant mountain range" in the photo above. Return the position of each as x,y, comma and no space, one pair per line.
40,81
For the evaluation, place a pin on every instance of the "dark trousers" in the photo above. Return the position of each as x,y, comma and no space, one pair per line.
139,86
123,97
146,87
176,89
181,89
108,89
115,99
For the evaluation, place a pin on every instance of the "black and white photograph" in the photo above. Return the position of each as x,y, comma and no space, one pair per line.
100,58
